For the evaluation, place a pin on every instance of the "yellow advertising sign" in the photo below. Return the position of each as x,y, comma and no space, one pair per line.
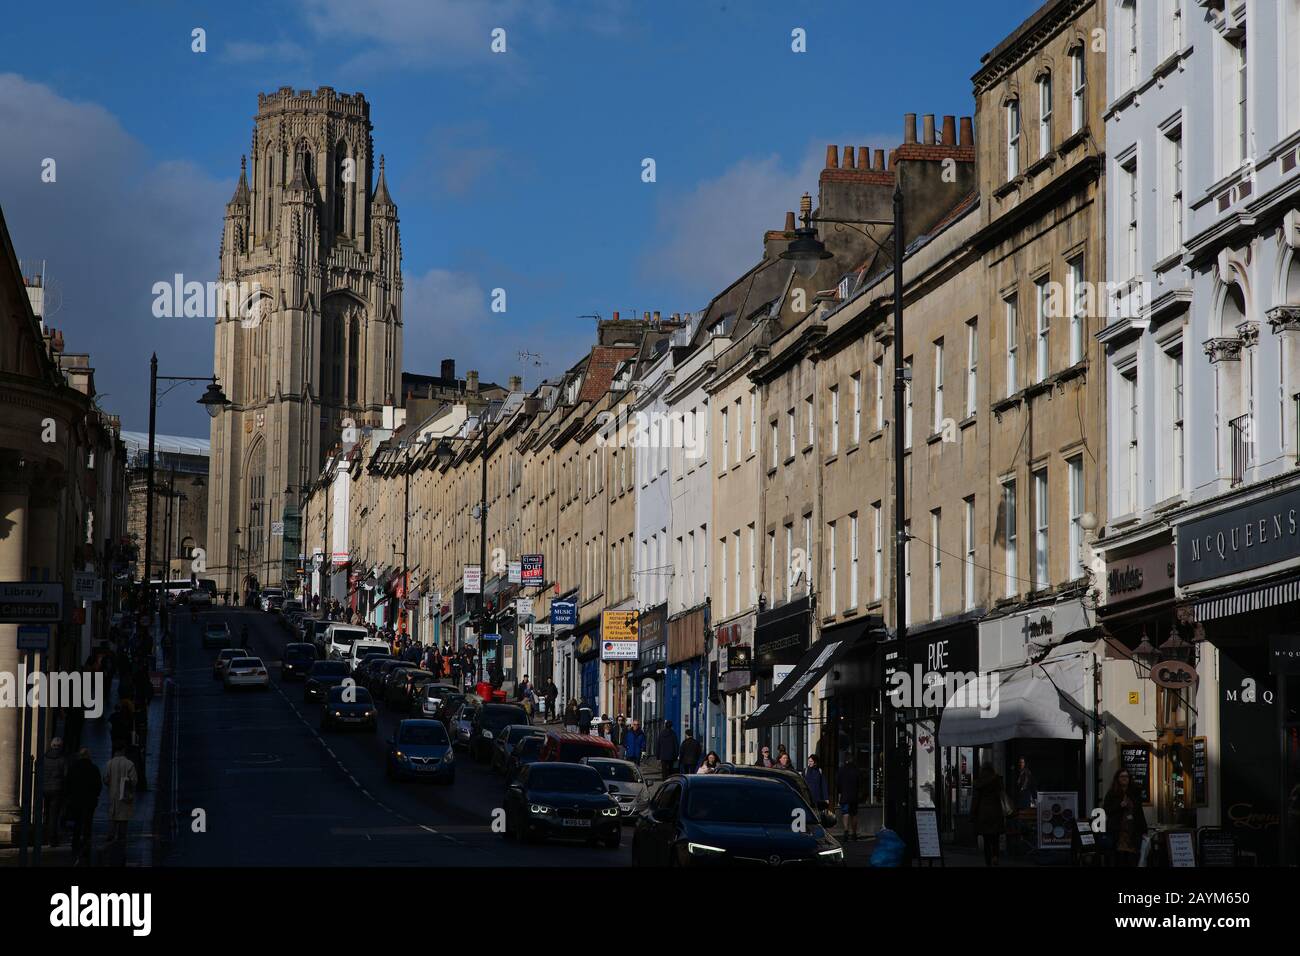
618,626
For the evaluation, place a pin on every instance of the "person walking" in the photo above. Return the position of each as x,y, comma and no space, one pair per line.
666,749
1126,821
812,776
848,784
690,752
551,695
634,743
81,791
584,720
765,757
1026,787
120,779
988,811
571,716
618,734
712,764
783,762
56,768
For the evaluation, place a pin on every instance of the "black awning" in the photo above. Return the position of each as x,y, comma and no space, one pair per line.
814,664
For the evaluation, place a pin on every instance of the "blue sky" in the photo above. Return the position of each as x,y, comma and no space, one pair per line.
519,170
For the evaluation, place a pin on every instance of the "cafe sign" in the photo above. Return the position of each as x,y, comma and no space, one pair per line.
1174,675
1254,535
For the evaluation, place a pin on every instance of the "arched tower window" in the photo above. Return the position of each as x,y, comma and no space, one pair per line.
354,348
342,189
256,512
270,190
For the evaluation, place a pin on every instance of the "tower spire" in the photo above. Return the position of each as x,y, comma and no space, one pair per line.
241,189
381,187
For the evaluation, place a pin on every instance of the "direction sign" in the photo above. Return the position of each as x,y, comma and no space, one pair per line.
35,602
83,585
34,637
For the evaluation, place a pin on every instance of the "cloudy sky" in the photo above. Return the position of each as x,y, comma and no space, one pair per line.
519,170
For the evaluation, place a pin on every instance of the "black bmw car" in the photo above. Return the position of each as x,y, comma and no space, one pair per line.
322,676
562,800
721,819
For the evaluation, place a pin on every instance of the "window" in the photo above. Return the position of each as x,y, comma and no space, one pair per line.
1174,434
853,560
1129,28
771,565
789,560
1173,192
808,552
1009,534
835,419
810,410
1129,226
1242,126
936,564
907,389
753,567
833,601
1129,433
1013,139
1078,88
794,436
938,386
1012,344
1075,295
1075,466
1041,579
968,550
722,597
753,420
1171,19
776,444
735,563
880,393
855,390
1045,114
878,550
972,366
722,465
1042,354
690,545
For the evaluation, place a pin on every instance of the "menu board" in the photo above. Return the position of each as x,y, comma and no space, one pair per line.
927,835
1086,838
1200,772
1179,843
1218,848
1058,813
1135,757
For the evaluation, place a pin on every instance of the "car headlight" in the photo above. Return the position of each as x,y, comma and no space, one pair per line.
448,757
399,755
609,812
835,853
487,734
703,849
338,713
539,808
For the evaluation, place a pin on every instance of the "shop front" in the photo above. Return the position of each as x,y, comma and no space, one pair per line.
1238,584
647,679
854,727
735,650
781,637
586,656
687,671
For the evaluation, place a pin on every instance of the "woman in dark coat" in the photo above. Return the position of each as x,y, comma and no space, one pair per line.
1125,820
987,813
816,784
81,793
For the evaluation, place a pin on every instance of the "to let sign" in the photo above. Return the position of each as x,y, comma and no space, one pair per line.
39,602
531,570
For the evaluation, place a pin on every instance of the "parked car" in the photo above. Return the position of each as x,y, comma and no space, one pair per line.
340,637
246,672
410,691
360,650
430,698
313,632
224,657
522,754
504,741
450,706
289,610
395,683
363,670
348,707
217,634
565,800
623,779
704,819
269,598
322,676
571,748
421,748
791,779
461,725
377,675
297,661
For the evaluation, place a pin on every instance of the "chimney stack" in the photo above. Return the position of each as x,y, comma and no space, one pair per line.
471,382
516,383
832,158
789,220
927,128
645,317
449,369
909,128
967,132
949,137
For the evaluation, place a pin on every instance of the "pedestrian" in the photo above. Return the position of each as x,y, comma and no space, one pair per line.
120,779
765,757
571,716
1126,821
618,734
848,784
56,766
690,752
666,749
816,784
634,743
988,811
712,764
121,725
781,749
783,762
584,720
81,791
552,694
1026,788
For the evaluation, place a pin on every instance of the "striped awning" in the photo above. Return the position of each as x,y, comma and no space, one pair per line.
1249,599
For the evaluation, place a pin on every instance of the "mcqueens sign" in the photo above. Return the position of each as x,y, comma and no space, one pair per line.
1251,536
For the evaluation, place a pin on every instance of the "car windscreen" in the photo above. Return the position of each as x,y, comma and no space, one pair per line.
242,662
572,752
494,718
340,636
355,695
616,771
529,747
517,734
329,669
429,733
365,652
756,804
566,779
300,652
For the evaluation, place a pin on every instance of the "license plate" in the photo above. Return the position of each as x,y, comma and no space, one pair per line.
424,767
577,823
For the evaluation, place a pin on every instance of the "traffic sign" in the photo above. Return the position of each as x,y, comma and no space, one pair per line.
34,602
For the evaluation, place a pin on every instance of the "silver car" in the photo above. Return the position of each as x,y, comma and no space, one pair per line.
462,726
624,781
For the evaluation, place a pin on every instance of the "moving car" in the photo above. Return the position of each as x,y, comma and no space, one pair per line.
364,670
199,598
367,648
431,696
339,708
270,598
421,749
566,800
322,676
571,748
224,657
623,779
246,672
525,752
217,634
377,674
339,639
450,705
719,819
490,720
297,660
507,739
788,777
461,723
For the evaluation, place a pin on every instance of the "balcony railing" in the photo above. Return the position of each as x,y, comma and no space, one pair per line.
1243,447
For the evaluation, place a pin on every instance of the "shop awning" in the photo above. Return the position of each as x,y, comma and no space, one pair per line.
814,664
1044,701
1247,599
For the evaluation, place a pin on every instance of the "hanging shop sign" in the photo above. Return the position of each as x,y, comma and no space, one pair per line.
564,613
532,570
472,582
619,626
1174,675
618,650
523,607
514,572
740,657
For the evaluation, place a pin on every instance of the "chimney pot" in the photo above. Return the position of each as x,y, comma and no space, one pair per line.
656,316
893,158
789,220
471,382
949,137
864,157
927,128
879,161
645,317
516,383
909,128
967,132
832,158
848,157
615,317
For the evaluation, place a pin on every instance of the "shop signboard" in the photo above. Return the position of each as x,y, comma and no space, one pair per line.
1135,757
927,834
532,570
1140,575
1200,772
1218,847
1181,851
472,580
564,613
740,657
1254,535
1058,815
618,650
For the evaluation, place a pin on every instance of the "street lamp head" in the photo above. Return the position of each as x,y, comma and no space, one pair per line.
805,251
444,452
214,399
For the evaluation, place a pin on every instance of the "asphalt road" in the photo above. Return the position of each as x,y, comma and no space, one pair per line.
275,791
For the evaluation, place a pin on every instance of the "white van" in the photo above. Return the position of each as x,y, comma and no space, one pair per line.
339,639
363,649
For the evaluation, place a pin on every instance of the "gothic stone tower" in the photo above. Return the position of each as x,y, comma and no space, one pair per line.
314,342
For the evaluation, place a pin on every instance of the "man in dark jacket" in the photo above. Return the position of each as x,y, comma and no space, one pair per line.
551,695
690,754
81,789
666,749
848,787
634,743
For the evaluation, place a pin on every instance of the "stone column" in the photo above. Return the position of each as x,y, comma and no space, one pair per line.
14,490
